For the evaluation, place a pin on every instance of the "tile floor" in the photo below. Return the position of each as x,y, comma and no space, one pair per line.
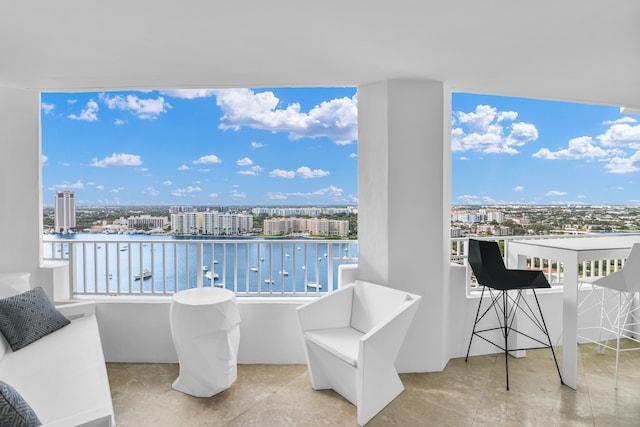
464,394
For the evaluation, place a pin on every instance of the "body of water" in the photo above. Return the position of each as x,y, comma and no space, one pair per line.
114,264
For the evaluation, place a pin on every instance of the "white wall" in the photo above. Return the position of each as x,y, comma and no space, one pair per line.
20,212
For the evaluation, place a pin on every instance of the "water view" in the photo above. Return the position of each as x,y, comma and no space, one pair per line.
141,264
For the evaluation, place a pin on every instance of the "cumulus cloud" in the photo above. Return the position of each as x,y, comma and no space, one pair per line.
336,119
254,170
167,182
45,159
276,196
120,159
183,192
78,185
621,135
353,155
490,131
256,144
146,109
119,122
620,165
556,193
306,172
583,147
208,159
518,188
280,173
150,191
331,191
47,108
89,114
183,168
245,161
620,120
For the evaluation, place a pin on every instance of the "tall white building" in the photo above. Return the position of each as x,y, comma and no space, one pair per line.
211,223
65,211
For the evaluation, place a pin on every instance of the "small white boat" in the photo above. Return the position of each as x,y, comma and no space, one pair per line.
325,254
145,274
287,255
314,285
303,267
205,268
284,272
268,282
215,261
254,269
211,276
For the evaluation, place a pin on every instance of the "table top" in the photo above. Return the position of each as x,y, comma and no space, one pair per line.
203,296
583,243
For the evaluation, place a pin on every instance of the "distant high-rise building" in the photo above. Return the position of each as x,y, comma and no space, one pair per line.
65,211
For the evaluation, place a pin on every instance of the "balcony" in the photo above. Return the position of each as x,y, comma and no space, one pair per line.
160,266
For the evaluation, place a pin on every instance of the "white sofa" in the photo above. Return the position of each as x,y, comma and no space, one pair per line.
62,376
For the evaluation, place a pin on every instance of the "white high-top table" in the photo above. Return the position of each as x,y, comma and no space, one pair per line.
205,327
570,251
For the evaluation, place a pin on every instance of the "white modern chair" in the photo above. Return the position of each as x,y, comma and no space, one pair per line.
613,296
352,338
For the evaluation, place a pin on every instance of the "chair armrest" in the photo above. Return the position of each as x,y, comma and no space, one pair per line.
329,311
75,310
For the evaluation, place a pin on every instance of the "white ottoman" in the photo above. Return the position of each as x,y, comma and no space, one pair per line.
205,327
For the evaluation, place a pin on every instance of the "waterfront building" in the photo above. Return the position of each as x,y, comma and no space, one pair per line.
211,223
147,222
65,211
313,226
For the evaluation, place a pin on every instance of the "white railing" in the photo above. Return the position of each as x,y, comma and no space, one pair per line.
163,266
554,270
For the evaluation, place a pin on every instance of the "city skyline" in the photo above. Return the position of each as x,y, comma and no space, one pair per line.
298,146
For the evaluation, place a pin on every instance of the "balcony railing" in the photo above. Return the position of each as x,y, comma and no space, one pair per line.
249,267
554,270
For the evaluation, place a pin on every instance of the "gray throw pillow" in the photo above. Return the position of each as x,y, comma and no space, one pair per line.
14,410
29,316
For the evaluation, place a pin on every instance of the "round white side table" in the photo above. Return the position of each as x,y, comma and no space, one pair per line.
205,327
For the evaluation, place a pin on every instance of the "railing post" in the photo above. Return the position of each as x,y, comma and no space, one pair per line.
199,263
72,270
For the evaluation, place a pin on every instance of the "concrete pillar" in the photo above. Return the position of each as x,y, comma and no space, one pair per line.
20,182
404,180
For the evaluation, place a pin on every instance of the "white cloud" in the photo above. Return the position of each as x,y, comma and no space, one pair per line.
238,194
336,119
119,122
213,195
620,120
45,159
306,172
279,173
621,165
578,148
254,170
47,108
189,93
183,168
208,159
621,135
556,193
244,162
167,182
276,196
100,187
146,109
353,155
71,101
331,191
518,188
182,192
484,130
256,144
116,190
78,185
150,191
89,114
121,159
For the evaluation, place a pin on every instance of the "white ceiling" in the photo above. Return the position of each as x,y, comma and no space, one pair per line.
574,50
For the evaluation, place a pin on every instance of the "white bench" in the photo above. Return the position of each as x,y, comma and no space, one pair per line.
63,376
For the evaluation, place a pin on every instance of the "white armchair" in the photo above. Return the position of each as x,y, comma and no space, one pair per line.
352,338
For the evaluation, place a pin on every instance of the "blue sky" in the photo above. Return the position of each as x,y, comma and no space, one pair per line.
298,146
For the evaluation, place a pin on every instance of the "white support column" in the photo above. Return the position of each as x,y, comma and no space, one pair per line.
20,184
404,176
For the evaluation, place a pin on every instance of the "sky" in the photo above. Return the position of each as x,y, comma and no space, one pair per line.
298,146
